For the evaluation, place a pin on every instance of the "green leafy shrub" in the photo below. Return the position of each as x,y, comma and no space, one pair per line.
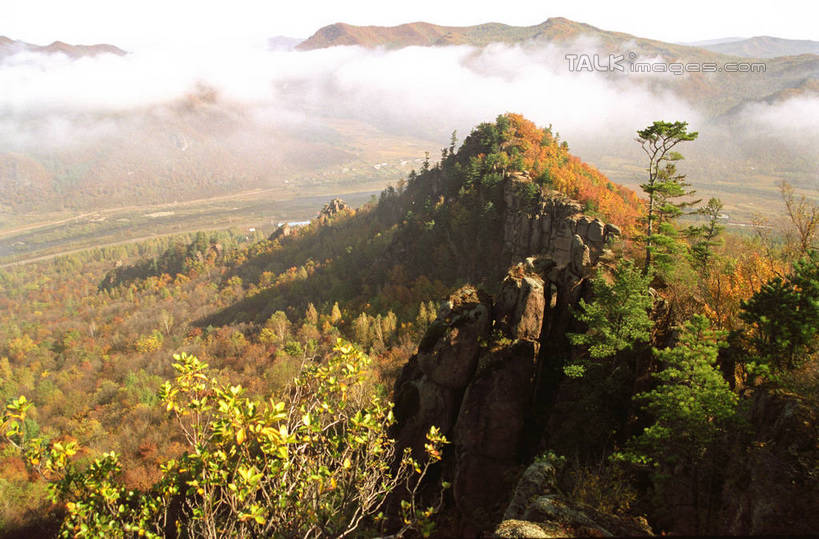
320,465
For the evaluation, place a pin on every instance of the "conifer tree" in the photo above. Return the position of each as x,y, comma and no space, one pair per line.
704,238
664,185
693,409
783,317
311,315
335,314
617,318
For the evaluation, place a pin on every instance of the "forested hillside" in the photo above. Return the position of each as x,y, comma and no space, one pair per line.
546,348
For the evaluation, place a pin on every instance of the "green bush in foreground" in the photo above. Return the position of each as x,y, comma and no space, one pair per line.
318,466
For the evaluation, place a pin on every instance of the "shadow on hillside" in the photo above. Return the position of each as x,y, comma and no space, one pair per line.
338,259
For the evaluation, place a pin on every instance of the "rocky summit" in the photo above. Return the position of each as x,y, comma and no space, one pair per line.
484,364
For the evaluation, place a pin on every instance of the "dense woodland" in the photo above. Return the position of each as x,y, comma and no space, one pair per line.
225,384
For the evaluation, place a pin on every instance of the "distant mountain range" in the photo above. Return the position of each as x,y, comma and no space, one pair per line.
202,144
716,93
556,30
708,42
10,46
763,47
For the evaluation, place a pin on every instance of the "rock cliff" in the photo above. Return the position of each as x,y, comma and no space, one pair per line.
553,226
333,208
488,373
280,233
487,365
538,509
772,488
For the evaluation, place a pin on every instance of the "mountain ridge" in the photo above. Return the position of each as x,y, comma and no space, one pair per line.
765,47
491,192
715,92
553,29
10,47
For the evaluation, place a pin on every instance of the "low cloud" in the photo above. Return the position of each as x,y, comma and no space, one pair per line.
426,91
51,101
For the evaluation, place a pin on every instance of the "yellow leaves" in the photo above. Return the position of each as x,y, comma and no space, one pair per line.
20,347
254,514
242,450
62,451
435,441
343,348
736,280
149,343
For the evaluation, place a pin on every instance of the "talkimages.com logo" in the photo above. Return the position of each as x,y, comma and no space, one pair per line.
628,63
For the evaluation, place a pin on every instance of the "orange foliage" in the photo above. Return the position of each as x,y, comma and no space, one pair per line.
725,287
544,157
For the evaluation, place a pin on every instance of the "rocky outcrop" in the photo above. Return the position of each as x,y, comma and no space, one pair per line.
520,306
282,232
430,387
332,209
772,489
486,367
476,390
552,225
539,509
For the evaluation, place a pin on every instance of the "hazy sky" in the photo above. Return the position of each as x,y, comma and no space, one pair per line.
134,24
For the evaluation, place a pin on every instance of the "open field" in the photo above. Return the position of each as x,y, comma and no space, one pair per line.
260,209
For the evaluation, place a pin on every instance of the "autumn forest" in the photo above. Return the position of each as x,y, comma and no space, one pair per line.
653,368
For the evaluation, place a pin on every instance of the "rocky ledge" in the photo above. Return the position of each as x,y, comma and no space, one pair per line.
486,364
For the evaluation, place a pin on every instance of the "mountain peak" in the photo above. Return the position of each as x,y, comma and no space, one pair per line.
427,34
553,29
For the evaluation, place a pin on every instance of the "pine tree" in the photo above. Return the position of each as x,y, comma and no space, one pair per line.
693,409
617,317
311,315
664,185
335,314
783,316
704,238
